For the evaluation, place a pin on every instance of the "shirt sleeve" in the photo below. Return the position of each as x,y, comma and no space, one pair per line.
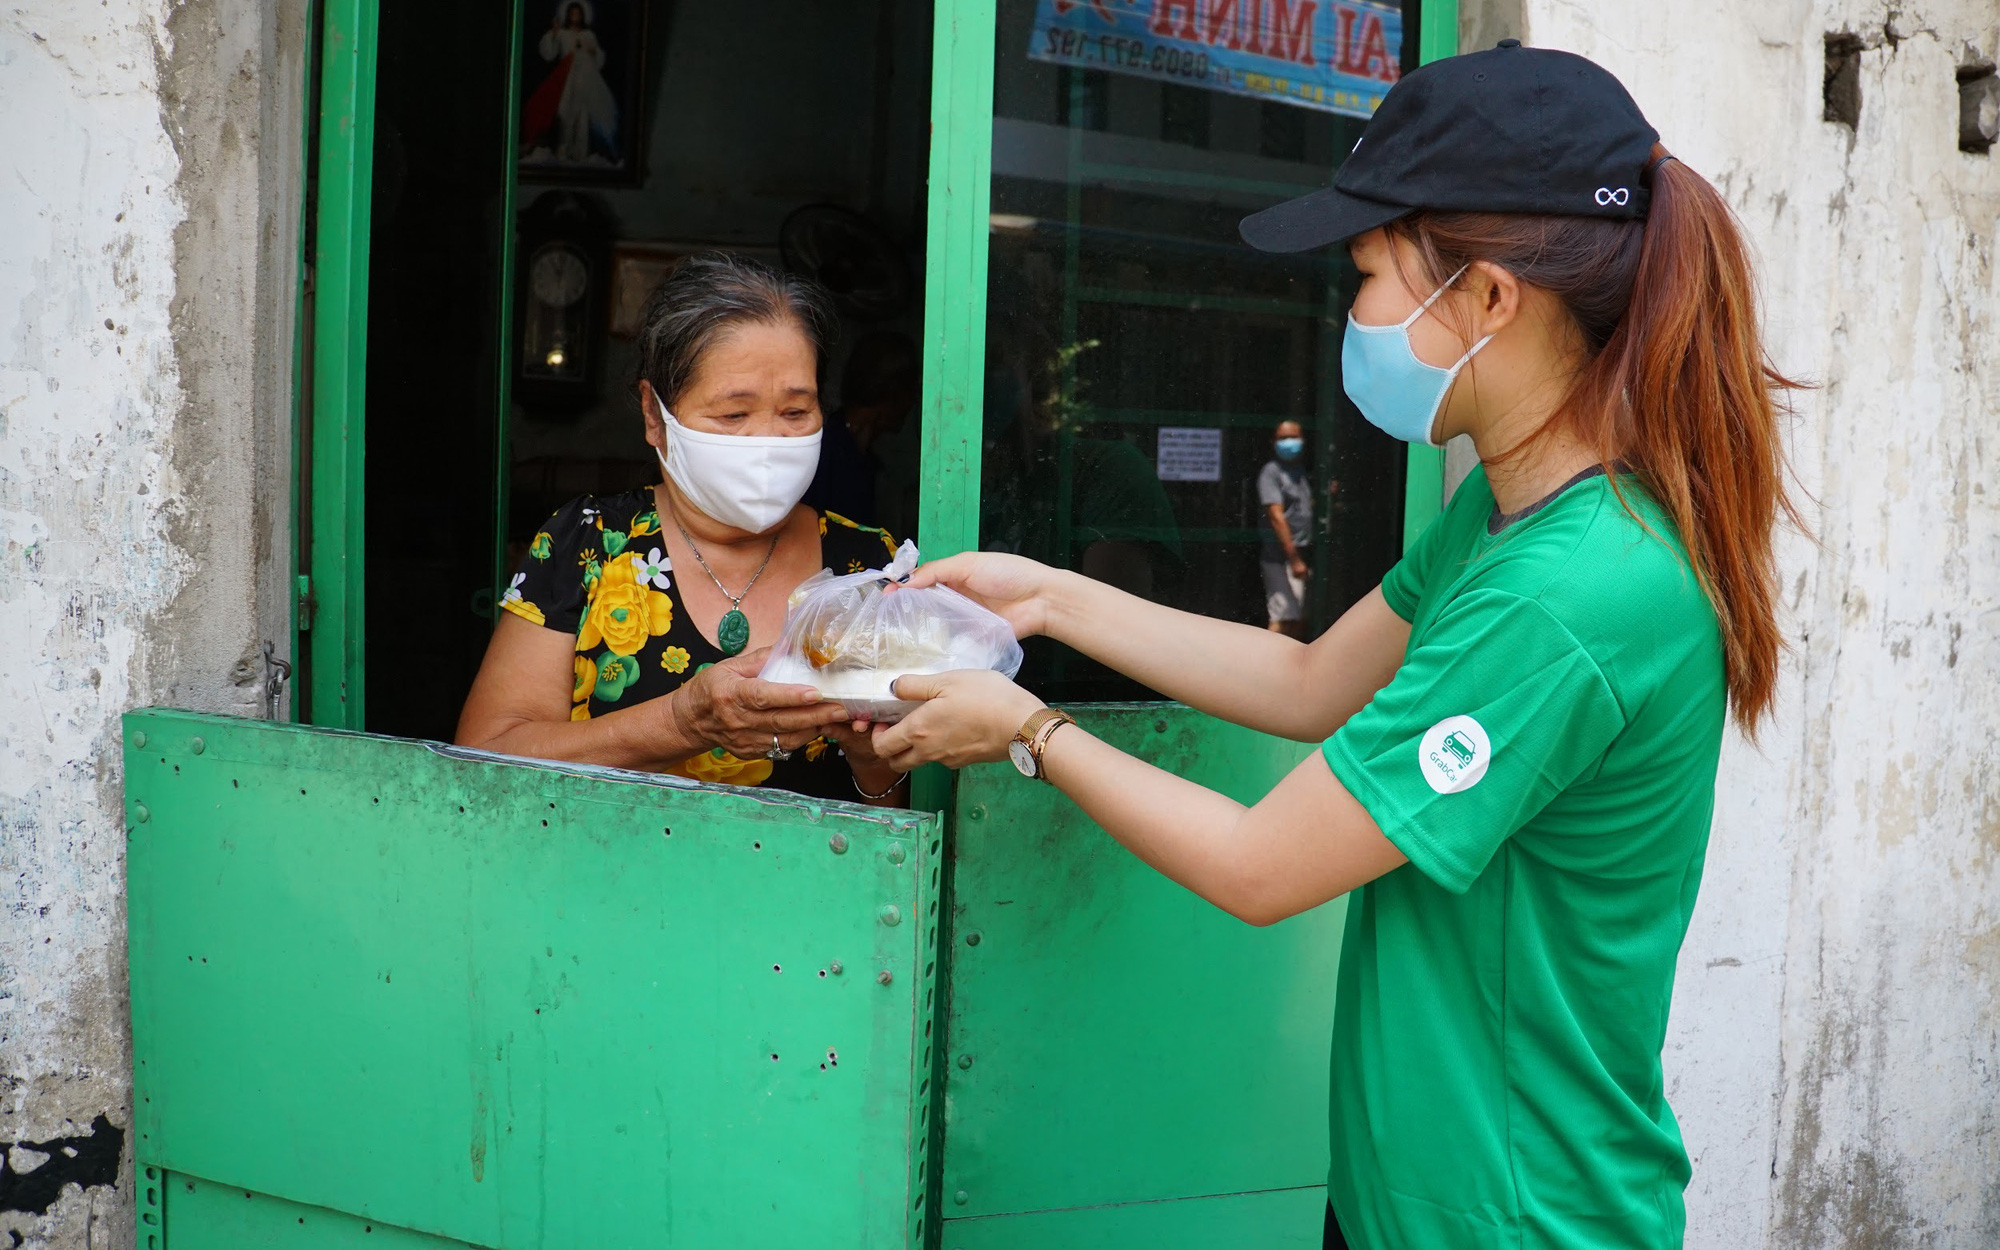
547,589
1496,711
1270,490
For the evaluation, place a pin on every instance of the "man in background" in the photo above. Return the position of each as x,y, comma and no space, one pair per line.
1285,494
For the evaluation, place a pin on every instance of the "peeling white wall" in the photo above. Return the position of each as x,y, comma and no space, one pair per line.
135,528
89,393
1834,1053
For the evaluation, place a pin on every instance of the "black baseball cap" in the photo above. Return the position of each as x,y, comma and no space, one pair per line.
1509,130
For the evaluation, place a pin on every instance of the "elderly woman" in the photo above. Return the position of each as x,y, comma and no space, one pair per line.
635,627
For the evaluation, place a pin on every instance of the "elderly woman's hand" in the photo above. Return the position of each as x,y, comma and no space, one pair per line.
727,705
875,776
968,717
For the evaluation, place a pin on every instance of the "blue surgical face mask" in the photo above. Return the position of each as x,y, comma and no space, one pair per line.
1398,393
1291,448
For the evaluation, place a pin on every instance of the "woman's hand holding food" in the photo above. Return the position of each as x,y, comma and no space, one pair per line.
967,717
872,774
726,705
1013,587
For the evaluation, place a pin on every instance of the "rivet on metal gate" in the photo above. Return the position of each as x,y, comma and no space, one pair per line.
1160,726
834,967
891,915
976,812
884,977
972,939
961,1197
140,814
838,842
964,1062
197,746
139,738
896,852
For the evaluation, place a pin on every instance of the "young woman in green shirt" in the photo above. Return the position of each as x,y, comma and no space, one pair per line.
1521,725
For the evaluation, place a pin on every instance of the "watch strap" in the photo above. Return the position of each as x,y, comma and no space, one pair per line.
1037,731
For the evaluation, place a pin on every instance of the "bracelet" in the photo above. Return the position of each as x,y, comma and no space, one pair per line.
876,798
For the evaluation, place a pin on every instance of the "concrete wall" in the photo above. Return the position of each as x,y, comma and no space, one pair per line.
1835,1047
147,235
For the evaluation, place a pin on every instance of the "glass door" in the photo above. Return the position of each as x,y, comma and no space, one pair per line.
1125,1064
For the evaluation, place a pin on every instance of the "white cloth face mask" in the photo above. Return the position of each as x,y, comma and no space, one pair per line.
749,481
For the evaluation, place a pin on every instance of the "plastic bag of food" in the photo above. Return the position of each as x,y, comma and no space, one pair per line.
852,636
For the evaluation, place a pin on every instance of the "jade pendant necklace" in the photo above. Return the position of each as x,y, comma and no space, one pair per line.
732,632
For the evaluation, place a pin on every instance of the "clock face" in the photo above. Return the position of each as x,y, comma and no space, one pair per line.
558,275
1024,759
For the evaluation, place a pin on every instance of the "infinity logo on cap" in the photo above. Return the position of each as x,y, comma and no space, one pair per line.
1606,196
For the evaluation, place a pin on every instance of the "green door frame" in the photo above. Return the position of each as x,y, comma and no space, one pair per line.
1423,480
329,536
332,603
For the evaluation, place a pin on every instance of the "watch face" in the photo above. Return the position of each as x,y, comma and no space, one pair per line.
558,276
1023,758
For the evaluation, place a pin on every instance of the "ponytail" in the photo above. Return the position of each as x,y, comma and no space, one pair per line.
1677,388
1700,421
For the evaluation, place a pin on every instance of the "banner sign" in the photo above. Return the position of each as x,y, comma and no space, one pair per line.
1338,56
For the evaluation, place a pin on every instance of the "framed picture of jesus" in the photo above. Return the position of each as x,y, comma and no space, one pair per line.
582,91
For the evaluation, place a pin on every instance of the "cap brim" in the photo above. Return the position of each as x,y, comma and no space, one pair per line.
1316,219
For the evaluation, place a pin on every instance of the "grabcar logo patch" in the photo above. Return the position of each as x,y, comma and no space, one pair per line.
1453,754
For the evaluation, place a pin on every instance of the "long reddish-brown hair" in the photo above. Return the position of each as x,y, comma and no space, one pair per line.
1675,388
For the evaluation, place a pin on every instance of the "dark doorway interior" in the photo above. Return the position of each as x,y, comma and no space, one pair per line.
435,275
796,131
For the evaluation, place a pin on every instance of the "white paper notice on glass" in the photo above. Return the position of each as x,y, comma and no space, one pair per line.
1190,454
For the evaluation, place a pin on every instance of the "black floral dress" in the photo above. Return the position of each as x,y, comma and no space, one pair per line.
599,572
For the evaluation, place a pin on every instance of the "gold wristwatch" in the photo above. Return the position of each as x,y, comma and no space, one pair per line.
1026,748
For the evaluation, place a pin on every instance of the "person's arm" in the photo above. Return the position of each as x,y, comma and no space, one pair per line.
520,705
1306,842
1283,529
1241,673
879,784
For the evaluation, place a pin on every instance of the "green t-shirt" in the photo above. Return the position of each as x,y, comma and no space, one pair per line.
1546,758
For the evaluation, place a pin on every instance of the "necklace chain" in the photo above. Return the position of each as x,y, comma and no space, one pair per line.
735,601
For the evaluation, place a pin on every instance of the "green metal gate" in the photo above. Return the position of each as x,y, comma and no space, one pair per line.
385,984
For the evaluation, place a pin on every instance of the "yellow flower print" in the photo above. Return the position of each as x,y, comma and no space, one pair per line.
582,710
675,660
855,566
816,748
513,602
542,546
719,767
822,525
585,679
647,522
624,612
